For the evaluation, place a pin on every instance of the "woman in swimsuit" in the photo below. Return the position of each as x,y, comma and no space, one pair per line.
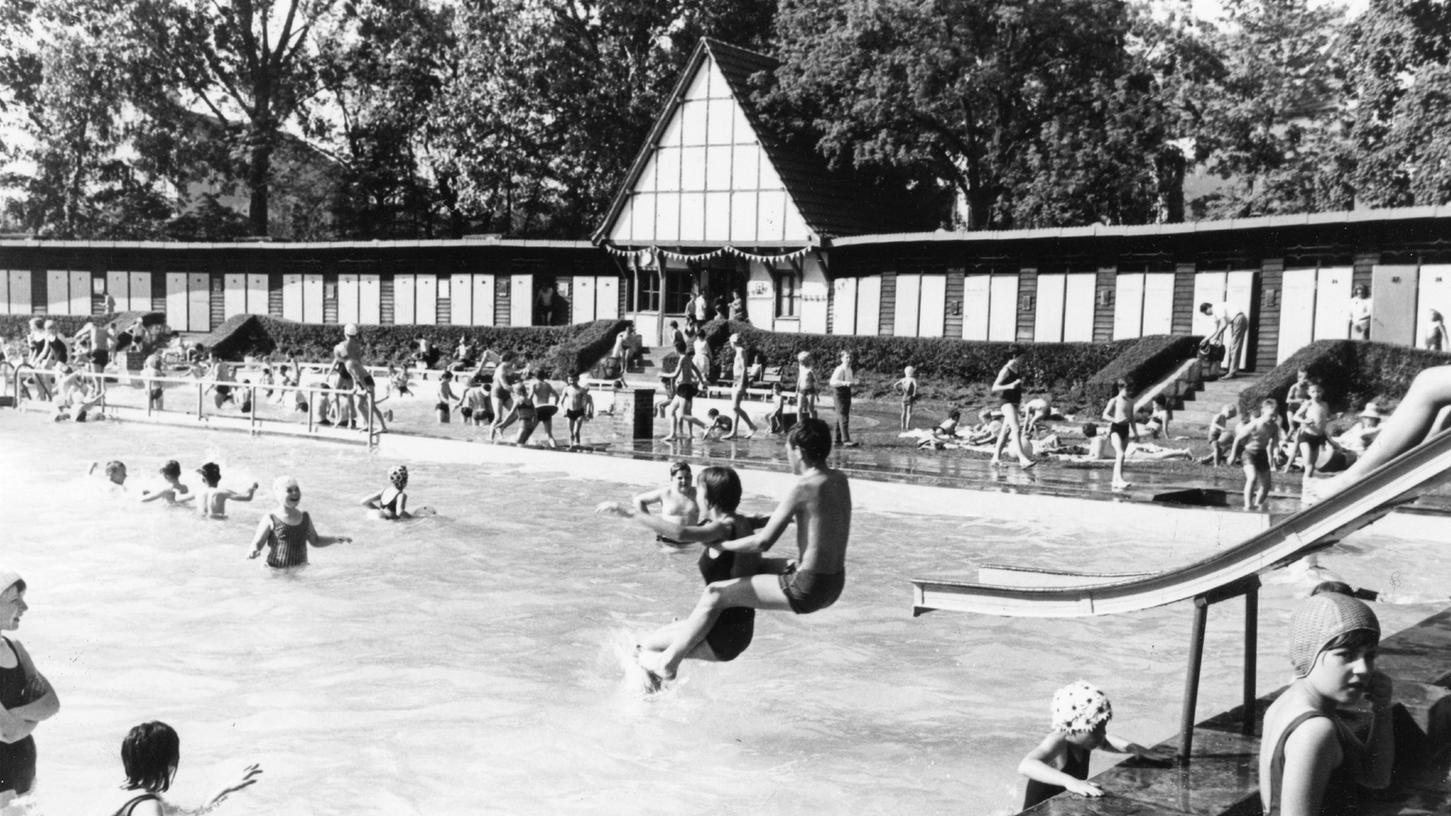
287,530
1310,763
150,754
1010,385
733,630
26,697
500,398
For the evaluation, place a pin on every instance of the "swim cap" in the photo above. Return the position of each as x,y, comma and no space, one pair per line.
8,579
398,475
280,485
350,329
1321,619
1079,708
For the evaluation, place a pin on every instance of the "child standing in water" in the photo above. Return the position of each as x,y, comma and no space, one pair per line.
1253,441
391,502
287,531
805,386
1080,725
1310,762
212,500
820,505
150,754
908,386
1119,413
1311,426
172,490
578,405
677,500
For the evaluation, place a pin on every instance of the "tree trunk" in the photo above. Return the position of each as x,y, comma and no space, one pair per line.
259,172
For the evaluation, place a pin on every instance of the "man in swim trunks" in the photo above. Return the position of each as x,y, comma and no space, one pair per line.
348,371
820,505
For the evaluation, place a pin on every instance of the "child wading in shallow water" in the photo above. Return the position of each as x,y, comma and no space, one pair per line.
212,500
820,505
1310,763
150,754
1080,725
287,531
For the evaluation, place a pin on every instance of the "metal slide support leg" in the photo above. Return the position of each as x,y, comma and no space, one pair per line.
1251,636
1191,679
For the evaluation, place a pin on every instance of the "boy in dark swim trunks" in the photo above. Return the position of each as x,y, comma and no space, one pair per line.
578,405
1119,414
1253,442
820,505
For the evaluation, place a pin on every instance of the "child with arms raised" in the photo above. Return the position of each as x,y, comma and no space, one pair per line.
212,501
150,754
287,531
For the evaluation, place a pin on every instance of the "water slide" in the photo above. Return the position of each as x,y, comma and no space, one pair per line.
1050,594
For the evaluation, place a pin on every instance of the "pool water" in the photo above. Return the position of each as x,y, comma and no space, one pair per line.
471,662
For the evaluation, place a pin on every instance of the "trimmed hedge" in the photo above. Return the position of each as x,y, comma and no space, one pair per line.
1149,360
12,326
1064,367
1353,372
591,343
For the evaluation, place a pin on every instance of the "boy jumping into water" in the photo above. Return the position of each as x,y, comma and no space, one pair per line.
820,504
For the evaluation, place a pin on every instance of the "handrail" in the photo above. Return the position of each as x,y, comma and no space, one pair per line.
207,383
1362,503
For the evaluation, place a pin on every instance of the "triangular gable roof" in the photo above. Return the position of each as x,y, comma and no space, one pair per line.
828,204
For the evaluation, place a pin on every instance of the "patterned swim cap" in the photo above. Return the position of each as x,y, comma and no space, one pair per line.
398,475
1079,708
1321,619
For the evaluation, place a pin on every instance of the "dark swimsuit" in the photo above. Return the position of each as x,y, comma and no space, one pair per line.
287,543
1342,795
808,590
1120,430
1315,440
17,759
733,630
1012,396
1075,765
392,504
544,412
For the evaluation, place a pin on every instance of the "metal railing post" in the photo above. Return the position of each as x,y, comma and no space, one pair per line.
1251,648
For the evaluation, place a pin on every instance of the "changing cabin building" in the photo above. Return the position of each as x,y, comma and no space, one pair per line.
715,203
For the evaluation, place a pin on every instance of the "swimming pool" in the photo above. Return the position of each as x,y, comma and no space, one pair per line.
469,663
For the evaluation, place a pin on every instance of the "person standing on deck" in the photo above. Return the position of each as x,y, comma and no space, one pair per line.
1230,326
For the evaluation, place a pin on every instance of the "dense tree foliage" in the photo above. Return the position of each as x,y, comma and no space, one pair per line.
1399,76
437,118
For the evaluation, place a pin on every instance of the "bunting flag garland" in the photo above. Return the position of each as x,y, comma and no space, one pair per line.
643,255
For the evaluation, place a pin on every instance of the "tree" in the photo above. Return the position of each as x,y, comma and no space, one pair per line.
1271,122
1399,77
250,63
548,101
383,83
1014,104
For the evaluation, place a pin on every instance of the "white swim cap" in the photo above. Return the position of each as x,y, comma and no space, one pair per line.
8,579
280,485
350,329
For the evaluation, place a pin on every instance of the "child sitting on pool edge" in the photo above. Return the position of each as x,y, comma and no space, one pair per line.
1080,724
150,754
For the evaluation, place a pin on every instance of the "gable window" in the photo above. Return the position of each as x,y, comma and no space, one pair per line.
788,292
